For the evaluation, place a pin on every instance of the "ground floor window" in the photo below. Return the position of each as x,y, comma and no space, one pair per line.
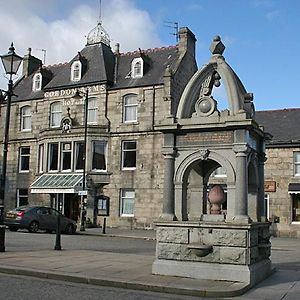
127,202
22,197
295,207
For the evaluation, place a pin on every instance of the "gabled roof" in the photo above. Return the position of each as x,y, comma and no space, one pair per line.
283,124
101,65
157,58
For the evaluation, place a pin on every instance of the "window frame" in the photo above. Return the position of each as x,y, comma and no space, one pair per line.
76,69
123,197
19,197
105,155
93,109
294,198
49,157
23,156
140,73
127,106
54,112
296,163
123,150
219,174
75,155
37,82
62,152
41,155
25,115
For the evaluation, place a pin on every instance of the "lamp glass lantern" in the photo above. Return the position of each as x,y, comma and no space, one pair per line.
11,61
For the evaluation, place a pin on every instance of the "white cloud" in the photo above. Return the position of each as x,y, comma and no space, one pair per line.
27,24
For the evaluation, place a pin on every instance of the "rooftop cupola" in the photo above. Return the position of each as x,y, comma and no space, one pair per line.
98,35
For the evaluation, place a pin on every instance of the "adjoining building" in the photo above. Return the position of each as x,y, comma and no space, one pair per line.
128,94
282,170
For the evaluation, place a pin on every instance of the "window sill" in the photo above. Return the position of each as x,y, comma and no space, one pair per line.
127,216
295,223
24,171
129,169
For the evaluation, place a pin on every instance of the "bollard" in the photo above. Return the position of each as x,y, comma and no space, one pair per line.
58,235
2,238
104,226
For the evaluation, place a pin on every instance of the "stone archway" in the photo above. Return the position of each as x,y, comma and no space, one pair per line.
206,161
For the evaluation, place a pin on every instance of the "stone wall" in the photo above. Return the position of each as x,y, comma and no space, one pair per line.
280,168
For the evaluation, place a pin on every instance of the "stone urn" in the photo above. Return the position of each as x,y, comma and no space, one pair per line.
216,198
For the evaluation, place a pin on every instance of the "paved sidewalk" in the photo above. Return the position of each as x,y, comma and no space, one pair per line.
133,271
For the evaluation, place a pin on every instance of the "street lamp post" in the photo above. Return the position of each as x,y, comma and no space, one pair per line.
11,62
79,95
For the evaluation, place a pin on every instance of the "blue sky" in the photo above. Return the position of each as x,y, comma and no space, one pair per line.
261,36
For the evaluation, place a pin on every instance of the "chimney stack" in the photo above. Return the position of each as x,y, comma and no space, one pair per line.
187,41
30,64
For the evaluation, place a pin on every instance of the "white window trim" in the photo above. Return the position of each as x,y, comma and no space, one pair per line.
40,160
133,63
61,156
34,82
130,105
295,163
94,108
53,112
20,159
122,149
106,153
18,196
121,202
74,65
26,116
75,155
48,158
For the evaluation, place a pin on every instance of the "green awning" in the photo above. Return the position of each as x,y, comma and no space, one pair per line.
57,183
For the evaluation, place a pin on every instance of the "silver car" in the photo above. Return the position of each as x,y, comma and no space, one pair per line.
36,218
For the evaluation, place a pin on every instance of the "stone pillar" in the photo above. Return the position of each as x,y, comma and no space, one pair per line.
168,195
261,205
241,192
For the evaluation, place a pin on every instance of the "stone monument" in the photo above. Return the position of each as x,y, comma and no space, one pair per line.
195,237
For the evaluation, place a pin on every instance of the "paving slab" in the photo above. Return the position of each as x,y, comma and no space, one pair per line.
110,269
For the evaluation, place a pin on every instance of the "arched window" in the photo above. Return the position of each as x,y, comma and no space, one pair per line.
130,108
55,114
137,67
26,118
92,111
37,82
76,71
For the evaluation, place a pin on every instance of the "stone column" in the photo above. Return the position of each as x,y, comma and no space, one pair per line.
241,191
168,195
261,205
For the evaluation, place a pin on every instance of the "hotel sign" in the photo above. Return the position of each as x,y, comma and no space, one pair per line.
68,93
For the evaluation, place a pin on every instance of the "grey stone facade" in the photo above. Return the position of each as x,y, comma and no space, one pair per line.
109,78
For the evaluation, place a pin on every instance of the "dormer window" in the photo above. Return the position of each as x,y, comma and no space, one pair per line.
37,82
137,67
76,71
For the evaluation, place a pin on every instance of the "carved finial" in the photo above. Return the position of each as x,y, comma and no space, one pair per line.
29,51
217,47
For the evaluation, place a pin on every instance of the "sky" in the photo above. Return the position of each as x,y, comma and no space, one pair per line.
261,36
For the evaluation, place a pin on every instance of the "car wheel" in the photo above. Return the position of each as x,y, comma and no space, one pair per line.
33,226
11,228
70,229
